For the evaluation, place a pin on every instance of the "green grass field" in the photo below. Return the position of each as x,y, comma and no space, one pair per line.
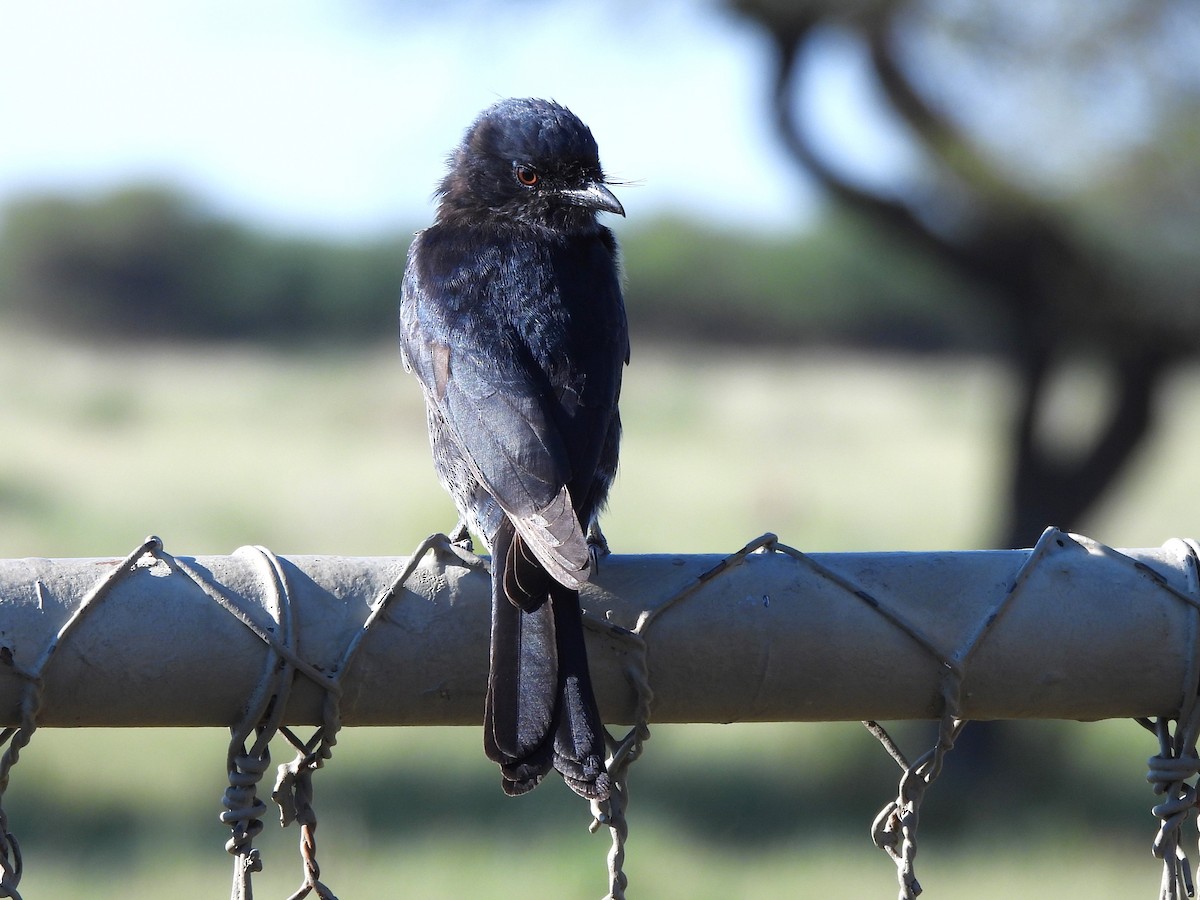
325,452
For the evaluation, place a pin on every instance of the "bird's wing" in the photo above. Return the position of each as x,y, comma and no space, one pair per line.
496,415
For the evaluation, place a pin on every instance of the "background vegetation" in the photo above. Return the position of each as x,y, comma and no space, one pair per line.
998,332
150,262
324,450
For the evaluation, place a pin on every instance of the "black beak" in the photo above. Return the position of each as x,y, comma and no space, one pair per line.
594,195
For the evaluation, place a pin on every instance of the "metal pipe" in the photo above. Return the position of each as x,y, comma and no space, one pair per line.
1069,630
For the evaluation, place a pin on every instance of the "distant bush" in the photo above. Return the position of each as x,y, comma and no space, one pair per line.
149,261
838,283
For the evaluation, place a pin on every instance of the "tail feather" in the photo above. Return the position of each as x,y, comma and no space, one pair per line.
525,582
578,733
540,711
523,675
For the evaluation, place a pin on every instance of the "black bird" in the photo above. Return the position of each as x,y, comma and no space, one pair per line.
511,317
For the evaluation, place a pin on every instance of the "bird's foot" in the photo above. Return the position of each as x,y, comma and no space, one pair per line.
458,544
461,537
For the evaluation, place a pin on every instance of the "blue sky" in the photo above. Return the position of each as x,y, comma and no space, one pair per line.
336,117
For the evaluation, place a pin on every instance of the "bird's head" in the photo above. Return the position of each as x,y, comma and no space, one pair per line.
527,162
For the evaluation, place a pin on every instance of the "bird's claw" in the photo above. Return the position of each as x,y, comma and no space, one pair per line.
597,546
461,537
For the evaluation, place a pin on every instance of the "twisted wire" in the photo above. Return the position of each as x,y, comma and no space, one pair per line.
293,792
895,828
11,865
611,813
264,714
1177,759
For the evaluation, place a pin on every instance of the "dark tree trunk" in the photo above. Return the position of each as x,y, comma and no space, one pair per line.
1048,488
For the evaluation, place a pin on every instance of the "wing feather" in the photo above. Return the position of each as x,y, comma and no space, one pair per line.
513,451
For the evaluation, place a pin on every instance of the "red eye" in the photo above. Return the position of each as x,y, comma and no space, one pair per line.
527,176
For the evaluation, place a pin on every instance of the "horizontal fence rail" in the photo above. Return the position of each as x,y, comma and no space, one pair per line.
262,643
1071,629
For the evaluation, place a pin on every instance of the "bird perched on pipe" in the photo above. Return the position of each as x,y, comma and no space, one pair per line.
512,319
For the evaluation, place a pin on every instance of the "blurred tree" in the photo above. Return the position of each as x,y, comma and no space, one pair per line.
1051,162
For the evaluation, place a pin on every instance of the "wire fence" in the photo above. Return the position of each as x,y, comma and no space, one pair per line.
1047,632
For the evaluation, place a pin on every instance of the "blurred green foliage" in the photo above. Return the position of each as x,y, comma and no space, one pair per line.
840,283
147,261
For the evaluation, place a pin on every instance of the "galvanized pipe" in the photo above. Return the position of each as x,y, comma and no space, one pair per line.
1069,630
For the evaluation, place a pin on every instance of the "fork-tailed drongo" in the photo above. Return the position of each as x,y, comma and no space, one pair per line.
511,317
